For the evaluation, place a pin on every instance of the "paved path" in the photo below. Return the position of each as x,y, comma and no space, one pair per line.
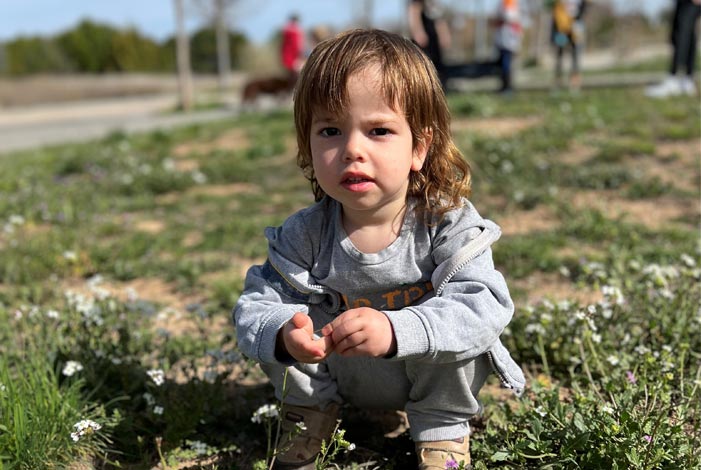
42,125
36,126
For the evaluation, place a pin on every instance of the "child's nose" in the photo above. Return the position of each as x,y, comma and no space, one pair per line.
355,147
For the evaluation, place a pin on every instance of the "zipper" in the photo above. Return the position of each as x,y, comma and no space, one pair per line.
504,381
467,254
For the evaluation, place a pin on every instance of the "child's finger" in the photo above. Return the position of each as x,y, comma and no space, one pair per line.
299,320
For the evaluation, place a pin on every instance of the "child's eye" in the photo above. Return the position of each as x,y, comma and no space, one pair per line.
380,131
329,132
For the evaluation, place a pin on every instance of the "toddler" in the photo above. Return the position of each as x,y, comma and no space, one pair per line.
383,294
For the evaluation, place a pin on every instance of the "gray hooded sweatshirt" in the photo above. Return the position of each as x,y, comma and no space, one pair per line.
436,283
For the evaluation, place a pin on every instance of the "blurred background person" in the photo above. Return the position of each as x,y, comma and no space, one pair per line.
568,33
429,29
292,50
683,38
507,39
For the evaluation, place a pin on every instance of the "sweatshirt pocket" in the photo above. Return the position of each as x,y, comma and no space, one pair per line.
509,373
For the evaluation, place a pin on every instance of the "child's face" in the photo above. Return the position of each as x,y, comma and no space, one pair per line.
363,157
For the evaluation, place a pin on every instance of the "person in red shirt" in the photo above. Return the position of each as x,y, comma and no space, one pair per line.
292,48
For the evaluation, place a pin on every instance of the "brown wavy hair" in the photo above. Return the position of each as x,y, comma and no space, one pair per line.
410,84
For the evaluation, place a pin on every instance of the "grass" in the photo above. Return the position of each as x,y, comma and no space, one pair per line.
126,256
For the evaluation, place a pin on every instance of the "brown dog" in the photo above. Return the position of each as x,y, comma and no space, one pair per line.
278,87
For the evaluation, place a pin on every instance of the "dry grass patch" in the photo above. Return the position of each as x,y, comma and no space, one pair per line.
224,190
553,287
150,226
185,165
236,270
654,214
216,190
232,140
191,239
578,154
539,219
495,127
678,164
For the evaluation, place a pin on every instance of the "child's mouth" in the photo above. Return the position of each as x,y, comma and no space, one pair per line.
357,183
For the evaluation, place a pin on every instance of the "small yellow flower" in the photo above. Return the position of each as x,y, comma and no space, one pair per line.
544,380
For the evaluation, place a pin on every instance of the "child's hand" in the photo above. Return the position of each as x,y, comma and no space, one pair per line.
361,332
297,338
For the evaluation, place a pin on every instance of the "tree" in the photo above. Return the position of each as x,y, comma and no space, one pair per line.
223,54
183,58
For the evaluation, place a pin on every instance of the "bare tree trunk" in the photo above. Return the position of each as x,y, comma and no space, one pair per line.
540,31
183,58
223,55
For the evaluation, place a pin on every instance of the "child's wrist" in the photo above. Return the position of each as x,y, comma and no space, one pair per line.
281,352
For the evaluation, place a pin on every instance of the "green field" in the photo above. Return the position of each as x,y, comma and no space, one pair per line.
123,258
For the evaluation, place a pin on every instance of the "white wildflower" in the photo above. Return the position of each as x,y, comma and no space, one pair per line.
15,219
688,260
642,350
168,165
84,427
198,177
53,314
150,400
70,255
613,360
596,337
535,328
264,412
199,447
157,375
607,409
71,367
132,295
614,293
158,410
351,447
665,293
592,325
541,411
301,426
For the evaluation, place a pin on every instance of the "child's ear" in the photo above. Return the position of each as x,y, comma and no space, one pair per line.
421,150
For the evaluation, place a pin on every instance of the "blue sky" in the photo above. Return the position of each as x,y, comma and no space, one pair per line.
258,19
